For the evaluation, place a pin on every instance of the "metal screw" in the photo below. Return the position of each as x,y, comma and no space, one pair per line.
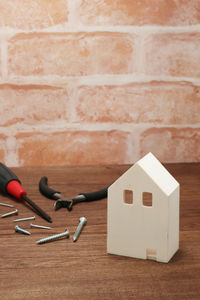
5,204
24,219
19,229
82,222
39,226
54,237
11,213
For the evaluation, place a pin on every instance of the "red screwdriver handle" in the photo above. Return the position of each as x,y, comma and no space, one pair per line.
10,183
15,189
6,176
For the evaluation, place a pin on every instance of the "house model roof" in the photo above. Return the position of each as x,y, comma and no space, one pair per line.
157,172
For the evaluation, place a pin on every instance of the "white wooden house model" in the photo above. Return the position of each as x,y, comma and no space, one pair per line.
141,227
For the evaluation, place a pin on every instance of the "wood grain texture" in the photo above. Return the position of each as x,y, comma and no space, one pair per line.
83,270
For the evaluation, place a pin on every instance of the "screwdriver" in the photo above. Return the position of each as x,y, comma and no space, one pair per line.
10,184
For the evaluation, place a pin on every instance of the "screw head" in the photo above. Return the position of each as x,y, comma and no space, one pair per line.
17,228
83,220
67,233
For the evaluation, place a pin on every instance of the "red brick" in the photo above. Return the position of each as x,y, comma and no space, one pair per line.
172,144
155,102
72,148
173,54
146,12
31,104
2,147
32,14
71,54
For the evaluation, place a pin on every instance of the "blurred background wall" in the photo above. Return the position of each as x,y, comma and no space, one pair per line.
99,82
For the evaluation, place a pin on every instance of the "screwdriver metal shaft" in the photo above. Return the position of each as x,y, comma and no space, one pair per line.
37,208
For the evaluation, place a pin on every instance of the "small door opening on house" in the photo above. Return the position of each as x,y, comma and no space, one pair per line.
128,196
151,254
147,199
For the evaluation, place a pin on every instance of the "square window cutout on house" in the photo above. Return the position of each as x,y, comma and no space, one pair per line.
147,199
128,196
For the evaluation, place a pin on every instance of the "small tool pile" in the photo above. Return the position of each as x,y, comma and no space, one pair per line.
11,186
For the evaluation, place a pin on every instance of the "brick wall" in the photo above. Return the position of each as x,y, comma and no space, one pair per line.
99,82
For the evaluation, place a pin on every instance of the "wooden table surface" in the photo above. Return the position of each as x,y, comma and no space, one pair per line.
83,270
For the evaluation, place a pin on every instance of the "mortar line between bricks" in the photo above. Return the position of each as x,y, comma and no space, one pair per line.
11,153
73,19
102,79
133,145
70,28
90,127
141,29
4,59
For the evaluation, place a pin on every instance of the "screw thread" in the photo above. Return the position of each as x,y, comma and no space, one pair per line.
24,219
39,226
19,229
15,212
78,231
79,228
53,237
